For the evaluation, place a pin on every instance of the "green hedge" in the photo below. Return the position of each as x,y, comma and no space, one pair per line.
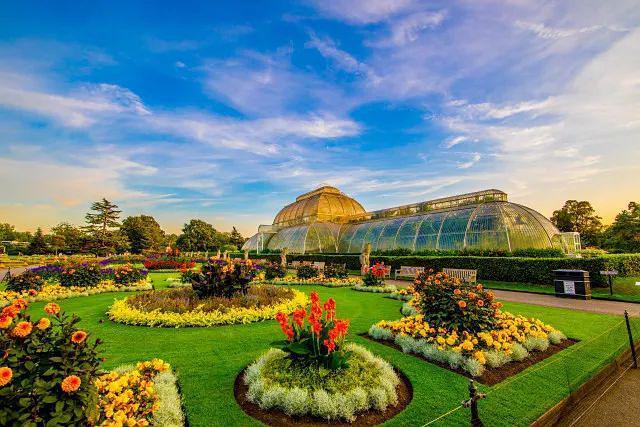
507,269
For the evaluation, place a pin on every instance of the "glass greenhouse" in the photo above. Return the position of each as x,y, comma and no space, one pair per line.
328,221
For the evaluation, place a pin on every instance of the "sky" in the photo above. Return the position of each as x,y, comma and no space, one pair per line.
226,111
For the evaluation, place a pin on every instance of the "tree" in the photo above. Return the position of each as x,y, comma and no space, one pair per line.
624,234
101,220
9,233
236,239
198,235
66,237
170,240
143,232
38,245
580,217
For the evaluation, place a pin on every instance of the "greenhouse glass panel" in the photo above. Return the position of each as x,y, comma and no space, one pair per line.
487,229
346,234
454,229
321,238
357,242
407,232
387,239
427,237
252,243
524,230
374,233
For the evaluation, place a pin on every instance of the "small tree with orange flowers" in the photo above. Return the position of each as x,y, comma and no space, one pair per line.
47,368
446,302
315,337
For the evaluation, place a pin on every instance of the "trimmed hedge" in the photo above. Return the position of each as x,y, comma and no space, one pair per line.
507,269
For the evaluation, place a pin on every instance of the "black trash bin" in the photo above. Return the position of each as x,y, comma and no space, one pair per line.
572,284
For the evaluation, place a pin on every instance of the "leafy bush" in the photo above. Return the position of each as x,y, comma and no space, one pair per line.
48,272
448,303
47,370
337,271
85,275
221,278
274,270
319,343
306,272
24,282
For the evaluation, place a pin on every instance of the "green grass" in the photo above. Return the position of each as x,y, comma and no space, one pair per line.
207,360
624,288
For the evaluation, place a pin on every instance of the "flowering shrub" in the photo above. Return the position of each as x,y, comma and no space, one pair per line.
124,312
447,302
317,338
47,369
337,271
25,281
127,274
307,272
167,264
85,275
318,280
375,275
48,272
223,278
274,270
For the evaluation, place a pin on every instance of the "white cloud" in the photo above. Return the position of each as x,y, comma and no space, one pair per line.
409,28
475,158
363,11
545,32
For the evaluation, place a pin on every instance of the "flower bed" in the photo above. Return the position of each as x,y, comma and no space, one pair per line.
405,294
53,292
462,327
140,395
314,373
167,264
384,289
181,308
330,282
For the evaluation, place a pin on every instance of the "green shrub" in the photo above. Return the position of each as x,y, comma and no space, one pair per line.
337,271
52,373
221,278
306,272
24,282
128,274
86,275
274,270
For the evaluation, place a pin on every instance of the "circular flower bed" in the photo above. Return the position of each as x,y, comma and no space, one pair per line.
329,282
367,382
183,308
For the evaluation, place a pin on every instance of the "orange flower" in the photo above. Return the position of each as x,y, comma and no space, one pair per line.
456,291
43,324
22,329
462,304
33,292
5,321
20,304
52,308
10,311
78,337
71,384
480,303
5,375
479,287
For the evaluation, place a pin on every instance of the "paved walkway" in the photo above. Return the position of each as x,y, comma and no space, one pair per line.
596,306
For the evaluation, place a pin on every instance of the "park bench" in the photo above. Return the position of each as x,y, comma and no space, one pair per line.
465,275
319,266
294,264
387,272
406,271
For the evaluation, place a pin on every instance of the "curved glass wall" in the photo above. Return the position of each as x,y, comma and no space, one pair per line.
320,237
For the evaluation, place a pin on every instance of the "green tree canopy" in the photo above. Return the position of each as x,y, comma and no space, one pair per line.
101,221
143,232
38,245
66,237
624,234
9,233
198,235
580,217
236,239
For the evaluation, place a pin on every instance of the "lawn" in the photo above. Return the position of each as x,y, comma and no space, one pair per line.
208,359
624,288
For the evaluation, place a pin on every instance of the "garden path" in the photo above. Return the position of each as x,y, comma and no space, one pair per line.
596,306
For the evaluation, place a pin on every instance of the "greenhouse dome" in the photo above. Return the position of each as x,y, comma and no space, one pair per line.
327,221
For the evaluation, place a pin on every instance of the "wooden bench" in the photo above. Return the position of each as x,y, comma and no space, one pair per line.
468,276
294,264
319,266
405,271
387,272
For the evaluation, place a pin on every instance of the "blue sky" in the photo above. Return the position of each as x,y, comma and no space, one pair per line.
226,112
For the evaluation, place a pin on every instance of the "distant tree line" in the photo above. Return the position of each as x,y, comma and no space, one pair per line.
103,233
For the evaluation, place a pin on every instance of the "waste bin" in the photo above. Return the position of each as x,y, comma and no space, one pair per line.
572,284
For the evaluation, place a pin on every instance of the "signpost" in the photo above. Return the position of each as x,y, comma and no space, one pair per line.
610,275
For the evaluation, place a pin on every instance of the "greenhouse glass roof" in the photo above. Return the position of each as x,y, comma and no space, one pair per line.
327,221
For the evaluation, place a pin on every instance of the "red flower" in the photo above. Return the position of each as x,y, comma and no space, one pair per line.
314,297
298,316
480,303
